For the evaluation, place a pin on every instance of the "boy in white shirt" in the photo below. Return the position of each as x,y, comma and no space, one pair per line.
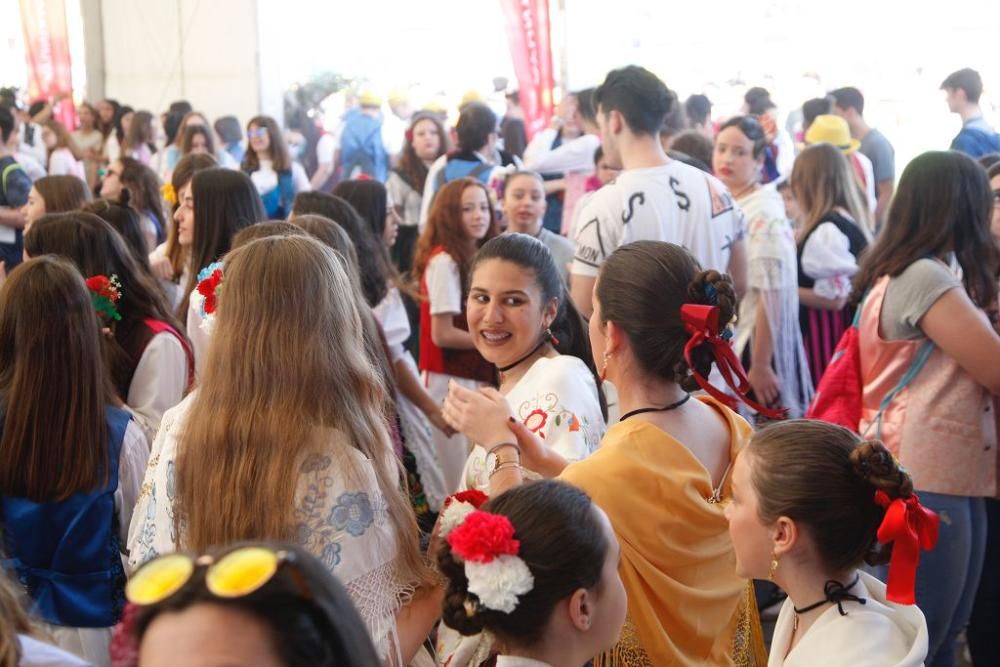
654,197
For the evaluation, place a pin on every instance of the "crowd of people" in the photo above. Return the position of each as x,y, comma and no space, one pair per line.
610,396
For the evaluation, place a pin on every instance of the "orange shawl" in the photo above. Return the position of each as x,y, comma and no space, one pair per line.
677,561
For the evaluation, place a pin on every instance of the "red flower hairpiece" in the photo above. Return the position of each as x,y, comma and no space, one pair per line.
474,497
209,288
483,537
105,293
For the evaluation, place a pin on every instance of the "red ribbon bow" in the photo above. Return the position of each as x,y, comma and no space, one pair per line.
910,527
702,322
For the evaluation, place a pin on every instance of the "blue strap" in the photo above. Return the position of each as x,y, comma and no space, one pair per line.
918,363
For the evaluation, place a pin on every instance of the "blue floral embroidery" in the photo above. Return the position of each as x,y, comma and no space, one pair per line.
353,513
171,482
331,555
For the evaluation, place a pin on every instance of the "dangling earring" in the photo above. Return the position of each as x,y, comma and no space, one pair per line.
551,336
604,369
773,568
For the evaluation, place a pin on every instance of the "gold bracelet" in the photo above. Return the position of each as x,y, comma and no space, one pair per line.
504,466
493,450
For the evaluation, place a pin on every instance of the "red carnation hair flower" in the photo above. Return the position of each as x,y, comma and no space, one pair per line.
474,497
482,537
209,288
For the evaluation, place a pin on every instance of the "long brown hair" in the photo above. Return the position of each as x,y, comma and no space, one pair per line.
63,138
144,187
62,193
183,172
825,477
943,205
822,180
288,305
444,228
52,383
280,158
94,246
411,168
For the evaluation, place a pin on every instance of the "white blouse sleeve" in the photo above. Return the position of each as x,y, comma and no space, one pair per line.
198,333
444,285
160,379
391,314
299,178
131,470
827,253
151,531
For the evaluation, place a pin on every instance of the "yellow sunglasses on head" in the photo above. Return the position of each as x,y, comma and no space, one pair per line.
236,574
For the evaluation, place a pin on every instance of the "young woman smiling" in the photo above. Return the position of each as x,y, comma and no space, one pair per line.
768,339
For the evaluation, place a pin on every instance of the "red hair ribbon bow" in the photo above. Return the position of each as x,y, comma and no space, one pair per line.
910,527
702,322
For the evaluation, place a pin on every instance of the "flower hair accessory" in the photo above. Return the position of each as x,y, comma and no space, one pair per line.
457,507
910,527
702,323
169,194
206,295
497,576
104,294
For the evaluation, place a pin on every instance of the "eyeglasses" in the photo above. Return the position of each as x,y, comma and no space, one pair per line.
996,197
257,132
237,574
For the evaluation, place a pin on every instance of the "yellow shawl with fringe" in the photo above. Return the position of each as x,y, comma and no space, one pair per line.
686,606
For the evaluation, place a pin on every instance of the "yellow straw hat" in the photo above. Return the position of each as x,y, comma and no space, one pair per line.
831,129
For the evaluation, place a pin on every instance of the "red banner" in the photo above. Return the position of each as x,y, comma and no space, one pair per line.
46,42
530,41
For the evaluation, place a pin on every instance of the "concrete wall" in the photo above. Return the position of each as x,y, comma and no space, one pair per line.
158,51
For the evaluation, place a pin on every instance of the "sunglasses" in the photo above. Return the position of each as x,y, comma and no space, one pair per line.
257,132
236,574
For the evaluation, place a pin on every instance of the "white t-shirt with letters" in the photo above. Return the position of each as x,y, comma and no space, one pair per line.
674,202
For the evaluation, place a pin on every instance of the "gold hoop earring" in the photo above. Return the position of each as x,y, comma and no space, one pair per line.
604,369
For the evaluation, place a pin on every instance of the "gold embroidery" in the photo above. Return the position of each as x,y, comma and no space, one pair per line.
748,640
628,652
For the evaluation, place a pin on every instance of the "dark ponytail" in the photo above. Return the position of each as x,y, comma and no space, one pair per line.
568,327
642,287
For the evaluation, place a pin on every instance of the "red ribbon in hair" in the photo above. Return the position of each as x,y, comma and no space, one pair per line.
910,527
702,322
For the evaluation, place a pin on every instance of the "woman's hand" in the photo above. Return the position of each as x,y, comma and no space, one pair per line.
162,268
481,415
765,383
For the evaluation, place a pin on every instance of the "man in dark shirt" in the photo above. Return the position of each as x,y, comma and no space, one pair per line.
14,188
849,104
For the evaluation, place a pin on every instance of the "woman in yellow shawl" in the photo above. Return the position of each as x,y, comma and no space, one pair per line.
662,473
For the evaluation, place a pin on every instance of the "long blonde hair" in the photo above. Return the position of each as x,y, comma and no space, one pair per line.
286,364
823,180
13,622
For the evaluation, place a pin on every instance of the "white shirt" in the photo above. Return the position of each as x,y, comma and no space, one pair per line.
266,178
878,633
517,661
573,155
159,382
131,469
391,314
869,171
557,401
444,285
827,259
63,163
35,653
673,202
